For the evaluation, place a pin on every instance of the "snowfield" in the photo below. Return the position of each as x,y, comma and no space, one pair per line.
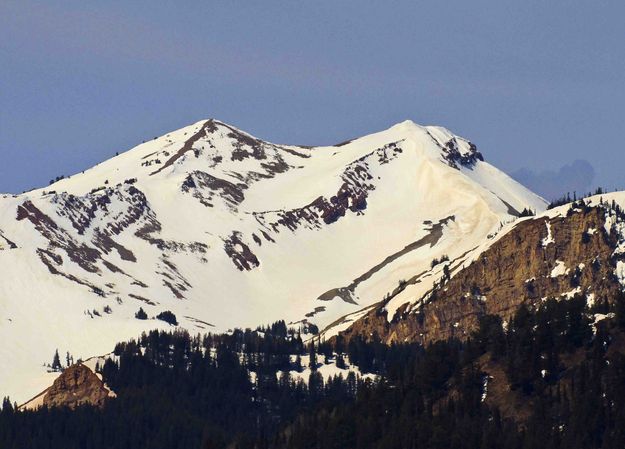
226,230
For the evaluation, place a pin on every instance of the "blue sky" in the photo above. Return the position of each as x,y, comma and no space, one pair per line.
537,85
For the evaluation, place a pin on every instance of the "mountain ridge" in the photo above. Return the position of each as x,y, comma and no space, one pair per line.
226,230
572,250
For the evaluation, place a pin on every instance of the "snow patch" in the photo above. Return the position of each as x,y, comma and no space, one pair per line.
620,272
327,370
559,270
572,293
549,239
485,387
599,317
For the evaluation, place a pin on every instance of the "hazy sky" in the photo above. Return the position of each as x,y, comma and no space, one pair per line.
535,84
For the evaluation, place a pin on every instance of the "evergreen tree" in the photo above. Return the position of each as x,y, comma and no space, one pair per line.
340,361
312,353
7,407
56,361
168,317
298,364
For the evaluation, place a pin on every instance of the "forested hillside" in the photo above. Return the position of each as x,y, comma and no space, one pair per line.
562,363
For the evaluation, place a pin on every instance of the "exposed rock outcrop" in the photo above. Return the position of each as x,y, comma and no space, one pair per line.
540,258
77,385
5,242
455,158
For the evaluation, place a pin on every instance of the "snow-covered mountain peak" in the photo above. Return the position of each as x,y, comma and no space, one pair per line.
213,146
406,125
225,229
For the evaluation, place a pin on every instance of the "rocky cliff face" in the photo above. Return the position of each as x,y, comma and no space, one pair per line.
576,253
77,385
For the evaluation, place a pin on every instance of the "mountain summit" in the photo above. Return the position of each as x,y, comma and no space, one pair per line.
224,229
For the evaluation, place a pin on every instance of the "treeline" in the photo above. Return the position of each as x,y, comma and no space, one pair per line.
570,379
180,391
175,390
566,199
